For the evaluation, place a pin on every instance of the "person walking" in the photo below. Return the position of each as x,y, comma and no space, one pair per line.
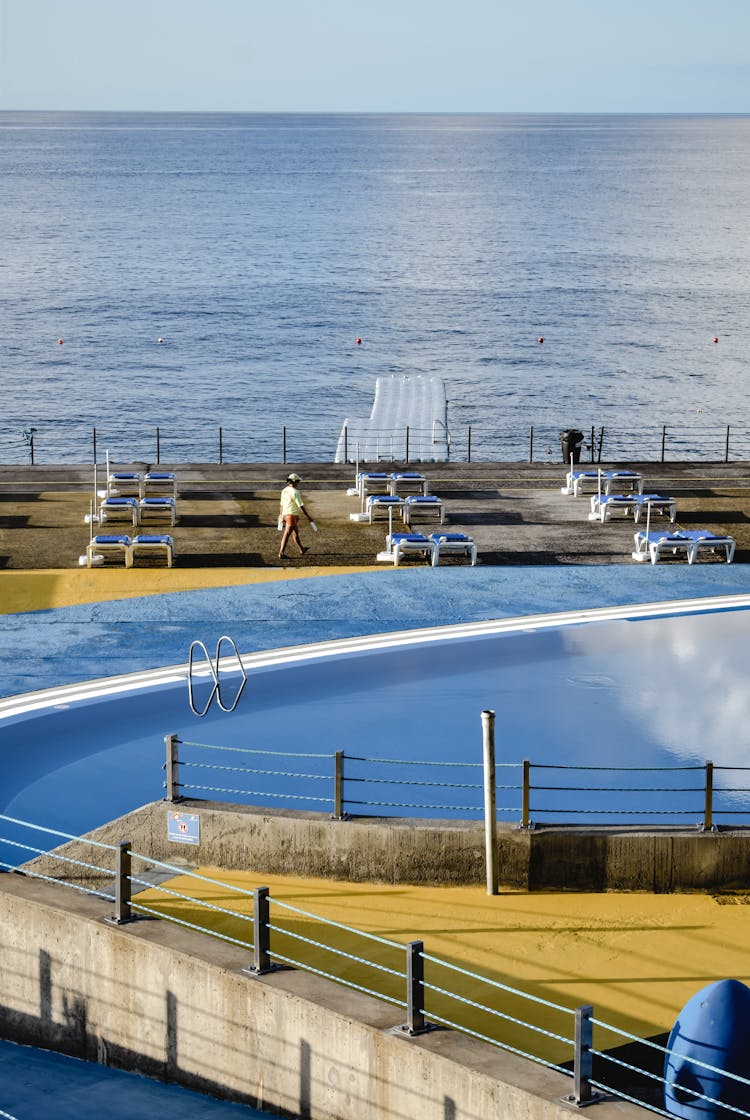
290,507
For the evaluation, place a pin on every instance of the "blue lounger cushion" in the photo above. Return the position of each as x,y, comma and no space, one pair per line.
458,537
110,538
412,538
152,538
422,499
384,499
157,501
161,476
121,501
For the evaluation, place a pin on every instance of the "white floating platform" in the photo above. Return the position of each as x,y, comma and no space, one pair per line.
409,410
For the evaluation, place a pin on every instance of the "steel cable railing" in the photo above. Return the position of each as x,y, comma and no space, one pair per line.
423,998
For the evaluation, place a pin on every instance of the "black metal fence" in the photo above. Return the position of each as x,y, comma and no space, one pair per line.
309,443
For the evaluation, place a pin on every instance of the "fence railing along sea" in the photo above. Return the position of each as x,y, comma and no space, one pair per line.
309,442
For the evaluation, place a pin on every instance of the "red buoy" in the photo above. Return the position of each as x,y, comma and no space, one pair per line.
716,338
540,339
59,342
359,342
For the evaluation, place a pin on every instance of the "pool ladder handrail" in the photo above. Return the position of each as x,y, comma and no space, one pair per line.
214,666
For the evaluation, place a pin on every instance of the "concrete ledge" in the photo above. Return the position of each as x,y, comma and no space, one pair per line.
174,1004
368,849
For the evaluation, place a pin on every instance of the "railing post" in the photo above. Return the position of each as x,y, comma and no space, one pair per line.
158,445
592,456
468,451
172,744
490,801
406,459
346,443
221,446
338,787
94,442
122,912
663,441
726,447
531,444
283,443
415,1021
708,811
261,933
582,1057
526,795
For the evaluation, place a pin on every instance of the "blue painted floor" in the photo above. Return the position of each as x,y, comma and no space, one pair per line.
37,1085
92,640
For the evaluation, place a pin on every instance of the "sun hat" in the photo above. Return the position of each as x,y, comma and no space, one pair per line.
293,478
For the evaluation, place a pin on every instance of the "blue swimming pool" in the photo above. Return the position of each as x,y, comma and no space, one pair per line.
662,685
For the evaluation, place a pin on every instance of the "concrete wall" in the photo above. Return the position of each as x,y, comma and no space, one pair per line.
174,1004
439,852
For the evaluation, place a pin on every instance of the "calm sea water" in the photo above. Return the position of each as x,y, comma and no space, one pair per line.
260,247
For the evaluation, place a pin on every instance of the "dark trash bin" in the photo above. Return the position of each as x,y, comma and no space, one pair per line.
571,445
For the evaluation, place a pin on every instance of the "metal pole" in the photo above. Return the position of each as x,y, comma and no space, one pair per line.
663,440
31,448
415,1022
406,460
708,812
94,446
726,447
525,811
172,744
284,445
593,444
582,1058
346,443
490,800
221,446
531,444
158,446
338,787
468,453
122,912
261,932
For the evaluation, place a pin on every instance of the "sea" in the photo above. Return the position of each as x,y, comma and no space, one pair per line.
204,286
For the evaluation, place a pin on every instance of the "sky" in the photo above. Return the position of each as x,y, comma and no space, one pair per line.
505,56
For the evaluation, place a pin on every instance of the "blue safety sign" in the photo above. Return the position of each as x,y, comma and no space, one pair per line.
183,828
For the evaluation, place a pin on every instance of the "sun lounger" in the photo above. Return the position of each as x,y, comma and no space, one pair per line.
372,482
400,545
605,482
606,506
453,544
108,544
153,545
159,483
428,504
159,508
123,484
118,508
381,503
706,541
651,545
408,482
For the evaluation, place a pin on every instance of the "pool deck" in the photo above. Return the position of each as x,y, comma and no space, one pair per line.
637,958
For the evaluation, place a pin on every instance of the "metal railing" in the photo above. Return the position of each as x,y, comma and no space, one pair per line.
428,990
349,784
323,442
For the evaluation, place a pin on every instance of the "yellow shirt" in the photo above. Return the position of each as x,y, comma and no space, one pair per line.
291,501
